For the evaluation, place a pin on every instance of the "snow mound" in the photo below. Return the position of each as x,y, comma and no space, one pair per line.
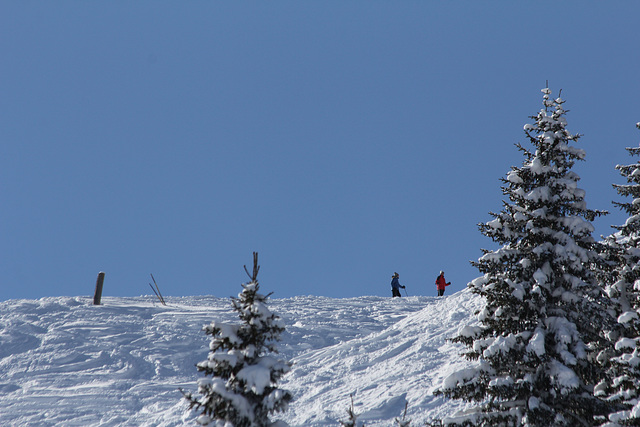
64,361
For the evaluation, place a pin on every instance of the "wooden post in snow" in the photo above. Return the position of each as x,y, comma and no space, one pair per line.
97,295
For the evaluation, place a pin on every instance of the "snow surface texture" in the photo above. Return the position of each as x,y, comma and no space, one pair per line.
66,362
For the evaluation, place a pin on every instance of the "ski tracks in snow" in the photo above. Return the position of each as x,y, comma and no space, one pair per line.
400,363
66,362
95,365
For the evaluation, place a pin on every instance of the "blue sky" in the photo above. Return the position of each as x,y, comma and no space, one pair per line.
343,141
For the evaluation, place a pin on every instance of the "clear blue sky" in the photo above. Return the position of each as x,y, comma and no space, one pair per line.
342,140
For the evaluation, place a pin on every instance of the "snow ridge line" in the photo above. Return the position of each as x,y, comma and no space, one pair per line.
64,361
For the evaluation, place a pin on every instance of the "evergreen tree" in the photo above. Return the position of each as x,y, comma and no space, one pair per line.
622,250
242,391
541,328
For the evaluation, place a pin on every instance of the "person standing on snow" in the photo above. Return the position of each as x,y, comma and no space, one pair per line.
395,285
441,283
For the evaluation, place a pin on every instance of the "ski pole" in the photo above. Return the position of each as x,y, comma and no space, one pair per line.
405,292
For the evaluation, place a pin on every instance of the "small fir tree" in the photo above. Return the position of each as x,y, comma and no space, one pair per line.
242,389
541,328
622,250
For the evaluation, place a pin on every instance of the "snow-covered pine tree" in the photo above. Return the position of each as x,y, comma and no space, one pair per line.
541,328
242,389
622,250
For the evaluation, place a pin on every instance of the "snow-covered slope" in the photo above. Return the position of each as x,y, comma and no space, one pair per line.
66,362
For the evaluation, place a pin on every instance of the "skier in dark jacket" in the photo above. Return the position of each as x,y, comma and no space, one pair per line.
441,283
395,285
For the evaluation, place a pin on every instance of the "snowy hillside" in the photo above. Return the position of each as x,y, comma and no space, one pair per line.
66,362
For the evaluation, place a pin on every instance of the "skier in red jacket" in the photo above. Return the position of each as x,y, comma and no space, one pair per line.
441,283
